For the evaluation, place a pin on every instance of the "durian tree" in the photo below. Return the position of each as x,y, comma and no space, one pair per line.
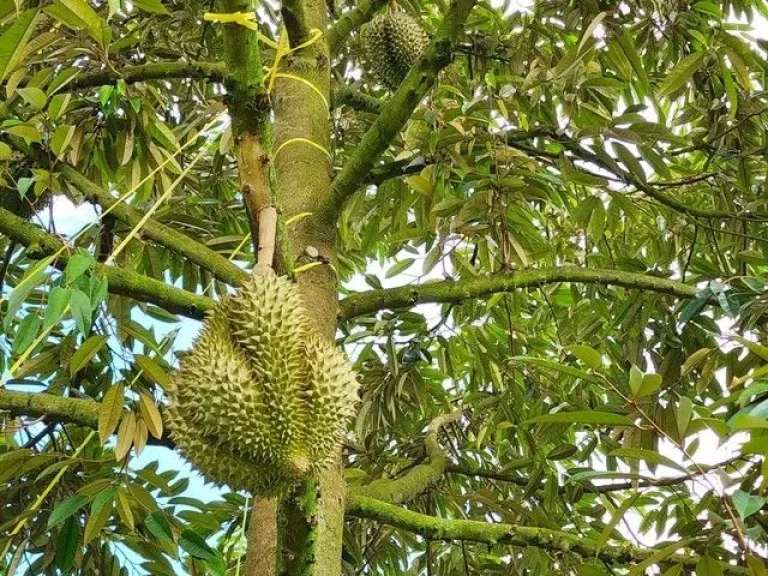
476,287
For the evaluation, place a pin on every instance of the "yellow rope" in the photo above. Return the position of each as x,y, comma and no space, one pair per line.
307,83
247,19
302,141
297,217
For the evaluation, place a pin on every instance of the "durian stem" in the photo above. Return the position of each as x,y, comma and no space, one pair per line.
267,234
260,560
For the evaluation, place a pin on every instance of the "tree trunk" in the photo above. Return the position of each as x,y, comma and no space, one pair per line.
306,531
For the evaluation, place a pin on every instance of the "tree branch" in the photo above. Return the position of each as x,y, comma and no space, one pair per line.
397,110
458,291
644,482
346,96
213,71
434,528
352,20
420,477
120,281
180,243
60,409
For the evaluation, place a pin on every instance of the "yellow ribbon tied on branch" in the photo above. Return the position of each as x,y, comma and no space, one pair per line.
282,48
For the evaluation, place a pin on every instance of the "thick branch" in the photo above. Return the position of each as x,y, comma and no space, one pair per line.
120,281
398,109
213,71
60,409
180,243
352,20
458,291
489,533
420,477
346,96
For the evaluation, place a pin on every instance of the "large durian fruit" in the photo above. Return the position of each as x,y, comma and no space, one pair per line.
393,42
261,400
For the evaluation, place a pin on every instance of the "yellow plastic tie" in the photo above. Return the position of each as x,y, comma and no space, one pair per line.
297,217
302,141
247,19
303,268
306,83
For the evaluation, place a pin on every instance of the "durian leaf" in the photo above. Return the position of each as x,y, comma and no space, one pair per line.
150,415
85,352
125,435
153,370
111,408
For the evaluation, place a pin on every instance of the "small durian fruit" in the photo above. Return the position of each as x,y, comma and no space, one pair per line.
261,401
393,42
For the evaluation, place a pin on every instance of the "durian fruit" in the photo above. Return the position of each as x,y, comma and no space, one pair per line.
261,400
393,42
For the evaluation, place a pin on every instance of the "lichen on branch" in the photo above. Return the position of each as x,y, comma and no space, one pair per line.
467,289
120,281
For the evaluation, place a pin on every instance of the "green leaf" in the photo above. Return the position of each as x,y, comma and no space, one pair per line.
196,546
709,566
680,74
153,371
400,267
748,422
648,456
58,302
153,6
158,526
14,41
101,510
28,329
557,367
649,385
83,355
683,414
5,151
747,504
66,508
150,414
694,360
67,543
630,161
635,379
29,134
19,294
60,140
33,96
659,556
695,305
630,51
78,15
562,451
82,311
754,347
582,417
76,266
615,519
111,409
